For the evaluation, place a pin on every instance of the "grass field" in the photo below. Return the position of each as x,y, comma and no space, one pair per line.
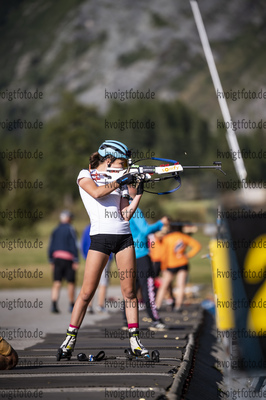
35,261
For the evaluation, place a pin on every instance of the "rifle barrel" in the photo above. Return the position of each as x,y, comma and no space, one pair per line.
219,167
202,166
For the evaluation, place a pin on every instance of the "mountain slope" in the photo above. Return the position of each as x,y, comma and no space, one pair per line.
88,46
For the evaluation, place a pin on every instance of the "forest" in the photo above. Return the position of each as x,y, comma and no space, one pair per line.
45,162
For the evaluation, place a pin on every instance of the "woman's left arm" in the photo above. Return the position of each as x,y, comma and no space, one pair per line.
127,210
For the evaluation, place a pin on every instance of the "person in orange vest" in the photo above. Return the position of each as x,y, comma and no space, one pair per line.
174,264
156,251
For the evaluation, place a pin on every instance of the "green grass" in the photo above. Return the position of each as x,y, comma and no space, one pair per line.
200,268
194,210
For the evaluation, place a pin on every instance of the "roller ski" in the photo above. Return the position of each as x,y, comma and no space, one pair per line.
137,351
67,347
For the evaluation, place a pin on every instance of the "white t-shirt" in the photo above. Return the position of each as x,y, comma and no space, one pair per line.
104,212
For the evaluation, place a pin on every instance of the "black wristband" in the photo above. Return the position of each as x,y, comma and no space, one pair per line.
140,188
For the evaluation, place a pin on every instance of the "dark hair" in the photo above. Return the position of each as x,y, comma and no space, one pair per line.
96,159
177,226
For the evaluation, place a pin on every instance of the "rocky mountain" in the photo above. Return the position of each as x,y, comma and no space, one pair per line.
89,47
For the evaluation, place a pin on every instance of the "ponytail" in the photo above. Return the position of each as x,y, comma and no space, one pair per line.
96,159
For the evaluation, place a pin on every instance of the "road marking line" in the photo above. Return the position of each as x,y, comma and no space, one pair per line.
79,374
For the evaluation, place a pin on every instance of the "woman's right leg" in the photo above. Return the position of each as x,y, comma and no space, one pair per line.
95,263
104,281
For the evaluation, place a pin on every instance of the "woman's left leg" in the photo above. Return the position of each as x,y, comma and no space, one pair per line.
126,264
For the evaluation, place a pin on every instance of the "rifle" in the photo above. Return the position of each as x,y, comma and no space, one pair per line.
170,170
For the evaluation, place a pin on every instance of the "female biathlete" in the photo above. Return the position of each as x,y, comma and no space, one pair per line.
107,203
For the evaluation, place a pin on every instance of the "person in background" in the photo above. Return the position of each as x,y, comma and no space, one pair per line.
104,281
156,251
8,356
63,256
140,230
175,264
156,254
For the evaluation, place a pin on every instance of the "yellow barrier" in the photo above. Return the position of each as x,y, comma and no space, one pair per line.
222,286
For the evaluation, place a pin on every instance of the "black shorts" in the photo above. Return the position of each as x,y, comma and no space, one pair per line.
63,269
175,270
107,243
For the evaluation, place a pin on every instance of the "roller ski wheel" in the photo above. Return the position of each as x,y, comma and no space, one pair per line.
155,355
129,354
61,354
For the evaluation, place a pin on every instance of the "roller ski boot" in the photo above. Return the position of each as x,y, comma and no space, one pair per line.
67,347
137,350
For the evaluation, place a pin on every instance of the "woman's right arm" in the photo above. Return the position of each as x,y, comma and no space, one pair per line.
95,191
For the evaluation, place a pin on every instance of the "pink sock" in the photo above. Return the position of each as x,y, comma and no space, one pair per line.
72,327
133,326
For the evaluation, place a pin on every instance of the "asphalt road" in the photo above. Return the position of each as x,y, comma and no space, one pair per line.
40,375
